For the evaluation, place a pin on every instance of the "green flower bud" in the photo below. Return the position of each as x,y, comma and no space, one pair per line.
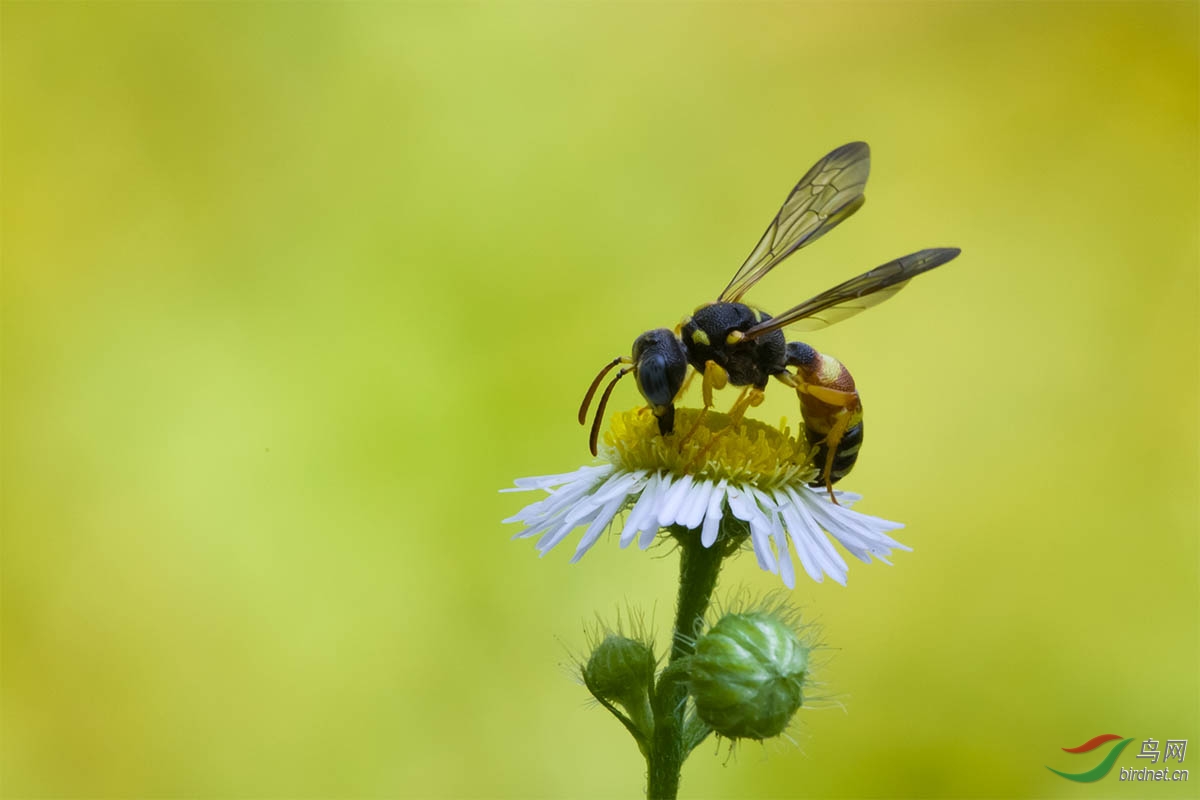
620,670
747,676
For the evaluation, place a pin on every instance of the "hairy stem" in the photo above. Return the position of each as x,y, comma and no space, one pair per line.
698,570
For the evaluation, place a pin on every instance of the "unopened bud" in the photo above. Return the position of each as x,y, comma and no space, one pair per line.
621,670
747,676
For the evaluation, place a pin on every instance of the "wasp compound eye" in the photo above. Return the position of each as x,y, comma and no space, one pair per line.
654,381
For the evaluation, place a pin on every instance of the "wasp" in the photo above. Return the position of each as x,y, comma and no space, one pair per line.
732,343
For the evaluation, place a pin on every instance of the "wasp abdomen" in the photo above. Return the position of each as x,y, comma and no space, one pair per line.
833,418
844,457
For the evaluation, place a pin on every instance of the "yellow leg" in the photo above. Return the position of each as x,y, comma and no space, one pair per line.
834,397
715,377
751,397
832,440
846,402
699,418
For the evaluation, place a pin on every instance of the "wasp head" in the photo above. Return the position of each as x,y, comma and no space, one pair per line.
660,365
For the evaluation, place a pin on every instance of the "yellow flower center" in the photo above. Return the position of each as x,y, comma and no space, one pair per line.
706,446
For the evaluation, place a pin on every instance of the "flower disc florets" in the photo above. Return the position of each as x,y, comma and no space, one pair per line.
707,448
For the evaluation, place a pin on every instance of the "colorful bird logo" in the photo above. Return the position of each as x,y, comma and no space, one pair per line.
1101,769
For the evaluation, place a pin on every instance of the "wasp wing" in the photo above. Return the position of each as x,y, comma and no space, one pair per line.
857,294
827,194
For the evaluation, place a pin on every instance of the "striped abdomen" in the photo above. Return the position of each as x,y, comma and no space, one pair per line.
843,458
832,410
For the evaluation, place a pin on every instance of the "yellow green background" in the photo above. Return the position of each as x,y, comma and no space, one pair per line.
290,290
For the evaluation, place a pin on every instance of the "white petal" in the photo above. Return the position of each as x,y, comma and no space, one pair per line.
743,506
859,533
619,485
872,530
548,514
583,510
847,499
549,507
668,510
712,515
831,560
692,513
598,526
587,508
846,535
648,535
786,570
805,526
766,528
546,481
554,536
641,509
800,526
879,526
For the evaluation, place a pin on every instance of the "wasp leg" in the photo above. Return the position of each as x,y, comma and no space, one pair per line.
687,382
715,377
833,397
833,440
751,397
707,393
846,403
699,418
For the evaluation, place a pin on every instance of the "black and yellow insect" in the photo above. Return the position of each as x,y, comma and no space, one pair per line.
729,342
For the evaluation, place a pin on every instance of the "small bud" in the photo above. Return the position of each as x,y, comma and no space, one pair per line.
620,670
748,674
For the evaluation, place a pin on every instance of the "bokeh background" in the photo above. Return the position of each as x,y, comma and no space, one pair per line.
290,290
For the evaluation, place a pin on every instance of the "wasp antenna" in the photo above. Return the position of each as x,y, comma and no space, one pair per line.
587,398
604,404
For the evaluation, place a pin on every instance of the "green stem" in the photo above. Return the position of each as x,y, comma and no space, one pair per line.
698,570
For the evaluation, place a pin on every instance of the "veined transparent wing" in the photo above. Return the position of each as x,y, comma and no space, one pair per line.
857,294
827,194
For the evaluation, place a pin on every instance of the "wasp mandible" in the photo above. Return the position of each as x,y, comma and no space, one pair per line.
729,342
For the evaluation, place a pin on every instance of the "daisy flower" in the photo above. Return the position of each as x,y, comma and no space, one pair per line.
715,481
